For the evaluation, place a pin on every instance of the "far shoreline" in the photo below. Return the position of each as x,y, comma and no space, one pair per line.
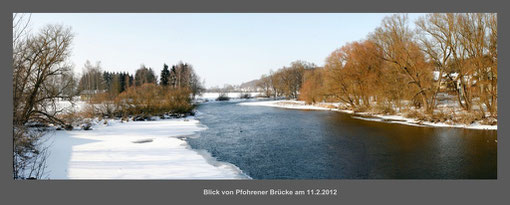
300,105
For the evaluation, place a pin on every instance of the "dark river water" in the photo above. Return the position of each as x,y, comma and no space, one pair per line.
275,143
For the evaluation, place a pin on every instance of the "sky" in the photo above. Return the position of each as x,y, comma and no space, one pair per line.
223,49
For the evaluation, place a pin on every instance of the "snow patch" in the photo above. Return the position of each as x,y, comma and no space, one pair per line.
108,152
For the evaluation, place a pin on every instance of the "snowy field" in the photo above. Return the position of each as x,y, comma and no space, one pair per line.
292,104
133,150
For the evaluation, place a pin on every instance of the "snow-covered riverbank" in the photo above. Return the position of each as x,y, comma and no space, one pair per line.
211,97
133,150
292,104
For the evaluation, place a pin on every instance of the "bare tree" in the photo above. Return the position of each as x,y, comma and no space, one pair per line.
183,75
20,26
396,43
92,80
286,81
41,77
42,58
438,39
338,84
265,85
478,63
144,75
491,101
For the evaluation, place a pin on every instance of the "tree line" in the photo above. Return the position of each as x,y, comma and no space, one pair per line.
43,77
94,80
286,81
394,67
121,94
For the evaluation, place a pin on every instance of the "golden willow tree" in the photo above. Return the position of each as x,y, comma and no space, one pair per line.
397,46
454,54
353,72
312,90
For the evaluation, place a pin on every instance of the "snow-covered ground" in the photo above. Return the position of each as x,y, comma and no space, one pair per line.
68,107
292,104
133,150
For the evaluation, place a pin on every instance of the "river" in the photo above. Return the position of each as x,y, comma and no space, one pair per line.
276,143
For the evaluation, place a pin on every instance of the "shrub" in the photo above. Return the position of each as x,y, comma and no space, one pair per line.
145,100
489,121
468,118
360,109
384,108
415,114
324,105
103,104
223,97
29,153
245,95
178,101
86,126
442,116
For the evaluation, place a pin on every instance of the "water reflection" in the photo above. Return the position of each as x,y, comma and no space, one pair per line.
273,143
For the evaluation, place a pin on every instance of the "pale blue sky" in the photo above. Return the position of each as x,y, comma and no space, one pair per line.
223,48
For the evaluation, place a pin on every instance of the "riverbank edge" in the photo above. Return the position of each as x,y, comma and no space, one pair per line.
300,105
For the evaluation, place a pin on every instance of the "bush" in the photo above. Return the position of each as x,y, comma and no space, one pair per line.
489,121
178,101
223,97
329,106
245,95
146,100
87,126
384,108
442,116
70,118
29,153
416,114
360,109
468,118
103,104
